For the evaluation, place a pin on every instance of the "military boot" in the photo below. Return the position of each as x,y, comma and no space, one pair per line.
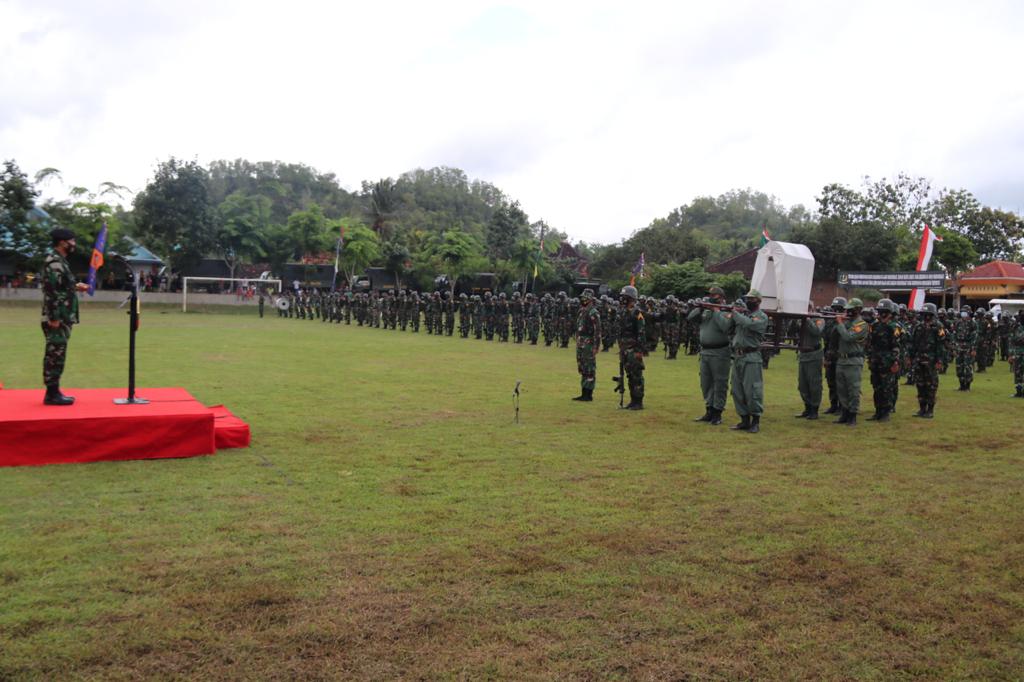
803,415
922,409
882,416
1020,391
930,413
833,408
55,397
812,413
851,419
635,404
755,424
706,417
586,395
744,424
716,417
843,418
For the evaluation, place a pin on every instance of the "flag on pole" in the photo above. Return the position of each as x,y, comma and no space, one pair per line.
540,254
337,255
96,262
924,258
637,271
765,237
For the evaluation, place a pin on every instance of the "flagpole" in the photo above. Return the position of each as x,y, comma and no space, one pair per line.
540,254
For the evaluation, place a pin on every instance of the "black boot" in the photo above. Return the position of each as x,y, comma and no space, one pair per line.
755,424
832,409
1020,392
716,417
843,418
930,411
744,424
635,404
804,414
812,413
851,419
706,417
922,409
882,416
55,397
586,395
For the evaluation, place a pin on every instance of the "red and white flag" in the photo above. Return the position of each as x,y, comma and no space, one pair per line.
924,257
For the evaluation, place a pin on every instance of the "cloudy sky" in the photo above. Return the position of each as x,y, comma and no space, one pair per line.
597,116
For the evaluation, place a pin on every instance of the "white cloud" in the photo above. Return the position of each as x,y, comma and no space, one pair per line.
597,117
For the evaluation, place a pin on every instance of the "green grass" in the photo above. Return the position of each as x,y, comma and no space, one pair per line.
390,521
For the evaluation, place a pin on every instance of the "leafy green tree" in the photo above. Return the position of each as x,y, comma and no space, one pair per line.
397,259
507,225
362,247
18,197
383,197
309,231
459,253
995,234
685,280
242,228
174,215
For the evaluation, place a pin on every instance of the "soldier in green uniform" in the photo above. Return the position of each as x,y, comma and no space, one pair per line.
830,339
884,349
810,355
670,327
852,333
60,312
631,338
1016,343
751,324
965,342
928,348
715,357
588,342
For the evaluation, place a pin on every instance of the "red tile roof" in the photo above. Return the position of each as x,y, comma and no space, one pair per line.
997,269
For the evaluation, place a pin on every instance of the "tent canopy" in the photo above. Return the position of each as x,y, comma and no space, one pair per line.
783,274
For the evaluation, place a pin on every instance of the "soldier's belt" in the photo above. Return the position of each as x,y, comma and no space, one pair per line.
847,356
707,347
744,351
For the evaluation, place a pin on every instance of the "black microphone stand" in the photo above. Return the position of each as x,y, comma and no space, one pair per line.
133,326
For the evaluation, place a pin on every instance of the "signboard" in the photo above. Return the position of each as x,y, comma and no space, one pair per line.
893,281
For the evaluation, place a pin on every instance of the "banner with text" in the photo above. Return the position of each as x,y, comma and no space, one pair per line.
893,281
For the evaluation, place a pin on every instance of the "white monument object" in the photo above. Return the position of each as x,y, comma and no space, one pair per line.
783,274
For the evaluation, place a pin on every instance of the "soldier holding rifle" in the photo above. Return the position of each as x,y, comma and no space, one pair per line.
716,324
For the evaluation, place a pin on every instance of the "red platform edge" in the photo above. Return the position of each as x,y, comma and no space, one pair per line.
94,429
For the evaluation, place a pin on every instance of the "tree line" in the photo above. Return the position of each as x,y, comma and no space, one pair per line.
439,221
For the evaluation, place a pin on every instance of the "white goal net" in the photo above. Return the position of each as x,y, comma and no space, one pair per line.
241,288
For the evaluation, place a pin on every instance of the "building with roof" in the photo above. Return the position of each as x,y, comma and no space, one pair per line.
997,279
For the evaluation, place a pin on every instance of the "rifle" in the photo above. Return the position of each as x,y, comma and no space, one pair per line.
620,386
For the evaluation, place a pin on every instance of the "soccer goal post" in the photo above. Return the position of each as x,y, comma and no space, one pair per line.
244,281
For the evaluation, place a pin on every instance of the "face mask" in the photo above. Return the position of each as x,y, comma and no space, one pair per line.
964,315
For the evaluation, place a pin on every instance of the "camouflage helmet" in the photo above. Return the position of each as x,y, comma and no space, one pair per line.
561,294
463,296
965,309
928,309
753,294
629,291
515,294
852,304
502,295
886,305
586,295
903,307
950,311
839,302
740,303
716,291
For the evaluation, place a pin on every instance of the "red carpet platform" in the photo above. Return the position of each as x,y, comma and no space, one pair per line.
173,424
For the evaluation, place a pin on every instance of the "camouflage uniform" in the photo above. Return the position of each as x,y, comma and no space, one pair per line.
965,341
532,314
1015,339
588,340
631,338
60,304
884,351
928,348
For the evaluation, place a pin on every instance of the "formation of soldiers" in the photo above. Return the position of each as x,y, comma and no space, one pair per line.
528,319
833,344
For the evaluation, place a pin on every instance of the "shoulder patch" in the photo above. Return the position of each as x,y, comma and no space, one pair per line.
857,327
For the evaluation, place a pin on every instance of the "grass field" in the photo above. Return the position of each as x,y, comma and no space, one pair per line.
390,521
